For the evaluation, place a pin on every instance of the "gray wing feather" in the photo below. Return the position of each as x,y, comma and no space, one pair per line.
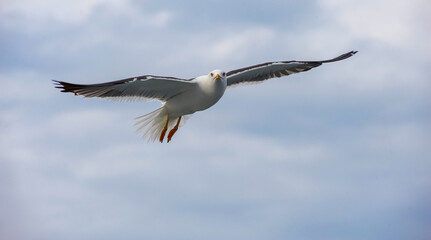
264,71
141,88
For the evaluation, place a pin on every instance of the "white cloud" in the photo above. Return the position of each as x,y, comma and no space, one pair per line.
236,44
64,11
220,47
81,123
213,176
36,16
397,23
333,147
24,86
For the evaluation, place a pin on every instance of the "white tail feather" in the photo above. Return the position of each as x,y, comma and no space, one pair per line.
151,125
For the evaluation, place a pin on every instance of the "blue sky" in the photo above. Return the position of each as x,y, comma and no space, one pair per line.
340,152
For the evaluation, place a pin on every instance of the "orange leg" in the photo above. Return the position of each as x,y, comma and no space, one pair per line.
172,132
162,135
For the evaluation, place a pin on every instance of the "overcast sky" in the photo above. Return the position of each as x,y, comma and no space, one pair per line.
340,152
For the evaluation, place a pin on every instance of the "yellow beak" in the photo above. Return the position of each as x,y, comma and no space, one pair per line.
217,76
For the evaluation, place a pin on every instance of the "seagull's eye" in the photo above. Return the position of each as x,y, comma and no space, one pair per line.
224,74
212,74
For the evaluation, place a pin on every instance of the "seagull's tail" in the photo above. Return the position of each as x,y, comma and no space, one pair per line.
151,125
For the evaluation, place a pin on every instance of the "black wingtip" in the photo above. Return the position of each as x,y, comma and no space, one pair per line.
352,53
64,86
341,57
58,84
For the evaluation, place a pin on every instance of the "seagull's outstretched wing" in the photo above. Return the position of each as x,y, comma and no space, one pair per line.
264,71
141,88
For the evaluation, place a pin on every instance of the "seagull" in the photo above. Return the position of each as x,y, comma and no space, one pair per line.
183,97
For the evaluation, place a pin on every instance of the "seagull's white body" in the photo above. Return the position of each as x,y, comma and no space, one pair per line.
183,97
206,93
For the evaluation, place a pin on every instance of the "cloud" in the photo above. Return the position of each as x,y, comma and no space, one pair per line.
220,47
66,12
396,23
341,149
24,86
236,44
226,177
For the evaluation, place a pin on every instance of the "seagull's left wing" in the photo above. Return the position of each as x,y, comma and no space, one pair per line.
264,71
141,88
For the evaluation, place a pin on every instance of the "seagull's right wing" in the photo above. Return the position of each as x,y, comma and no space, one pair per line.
264,71
141,88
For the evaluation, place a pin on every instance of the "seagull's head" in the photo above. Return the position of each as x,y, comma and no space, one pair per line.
217,74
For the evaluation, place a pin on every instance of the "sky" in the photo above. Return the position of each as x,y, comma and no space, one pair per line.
339,152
